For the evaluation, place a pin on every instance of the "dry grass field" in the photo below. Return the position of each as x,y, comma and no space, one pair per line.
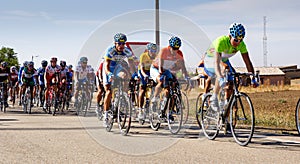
274,105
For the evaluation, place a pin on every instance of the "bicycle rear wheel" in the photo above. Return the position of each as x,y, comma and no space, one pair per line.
297,116
185,107
124,114
209,120
174,114
28,97
242,119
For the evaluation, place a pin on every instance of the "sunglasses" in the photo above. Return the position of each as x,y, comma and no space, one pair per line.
237,40
121,43
153,51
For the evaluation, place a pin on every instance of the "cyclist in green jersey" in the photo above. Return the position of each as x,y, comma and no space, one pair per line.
218,54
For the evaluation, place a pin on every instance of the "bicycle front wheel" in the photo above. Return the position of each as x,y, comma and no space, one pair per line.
297,116
242,119
198,109
175,114
185,107
124,114
209,119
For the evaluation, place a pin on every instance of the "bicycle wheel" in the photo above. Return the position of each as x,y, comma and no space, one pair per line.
24,103
297,116
198,109
124,114
13,96
185,107
174,114
28,97
54,103
209,121
154,119
110,121
242,119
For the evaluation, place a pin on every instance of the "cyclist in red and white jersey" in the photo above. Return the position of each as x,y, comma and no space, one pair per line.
13,81
51,77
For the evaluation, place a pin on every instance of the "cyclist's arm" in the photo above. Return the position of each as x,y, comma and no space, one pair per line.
106,66
217,65
248,62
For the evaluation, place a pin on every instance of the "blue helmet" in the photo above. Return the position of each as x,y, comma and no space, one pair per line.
237,31
83,59
152,47
175,42
25,63
121,38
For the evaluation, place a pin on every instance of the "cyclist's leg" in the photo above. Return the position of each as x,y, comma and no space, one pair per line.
154,73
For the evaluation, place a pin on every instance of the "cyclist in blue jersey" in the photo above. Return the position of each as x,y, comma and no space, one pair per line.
25,63
114,56
41,73
70,79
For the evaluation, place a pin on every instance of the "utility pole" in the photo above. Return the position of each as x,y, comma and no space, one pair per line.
265,52
157,37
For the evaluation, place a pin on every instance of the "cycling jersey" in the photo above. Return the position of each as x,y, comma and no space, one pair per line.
63,73
170,60
69,76
83,72
221,45
146,60
14,76
118,57
51,72
4,73
20,73
27,76
41,74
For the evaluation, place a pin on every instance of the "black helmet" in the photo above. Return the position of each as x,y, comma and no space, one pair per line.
44,63
62,63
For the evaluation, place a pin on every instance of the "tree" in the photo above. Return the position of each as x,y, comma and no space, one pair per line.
8,55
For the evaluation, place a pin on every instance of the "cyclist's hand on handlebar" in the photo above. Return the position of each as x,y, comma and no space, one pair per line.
254,83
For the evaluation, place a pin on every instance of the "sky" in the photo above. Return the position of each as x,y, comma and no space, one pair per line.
42,29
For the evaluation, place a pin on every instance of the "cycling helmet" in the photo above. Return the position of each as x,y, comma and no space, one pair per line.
83,59
25,63
13,69
152,47
44,63
4,64
53,59
63,63
175,42
31,63
70,66
237,31
121,38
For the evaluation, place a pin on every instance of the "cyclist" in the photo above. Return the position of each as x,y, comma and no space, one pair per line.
81,74
100,86
144,73
4,78
13,83
41,74
51,78
219,53
25,63
63,73
115,55
167,59
70,79
28,75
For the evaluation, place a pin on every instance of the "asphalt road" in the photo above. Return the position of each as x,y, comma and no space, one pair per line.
67,138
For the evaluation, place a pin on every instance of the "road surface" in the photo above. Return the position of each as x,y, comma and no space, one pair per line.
67,138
